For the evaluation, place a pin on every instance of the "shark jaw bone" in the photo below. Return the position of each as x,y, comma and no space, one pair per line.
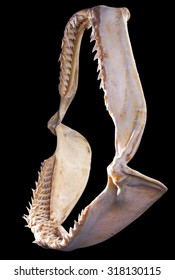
65,174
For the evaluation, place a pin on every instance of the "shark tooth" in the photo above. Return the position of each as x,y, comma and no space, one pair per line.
99,76
96,56
98,67
95,48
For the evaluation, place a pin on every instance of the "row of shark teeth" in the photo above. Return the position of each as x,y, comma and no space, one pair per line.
50,235
78,224
47,232
39,207
47,235
99,55
66,56
61,238
98,49
68,44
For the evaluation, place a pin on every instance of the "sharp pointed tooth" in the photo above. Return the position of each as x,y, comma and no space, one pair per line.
68,64
96,56
99,67
25,217
101,85
80,18
62,43
69,51
72,30
99,76
72,36
79,217
63,90
71,44
92,37
75,20
106,102
89,26
92,32
95,48
66,83
75,224
67,70
66,239
33,192
71,231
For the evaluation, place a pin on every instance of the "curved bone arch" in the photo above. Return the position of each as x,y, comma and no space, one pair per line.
64,175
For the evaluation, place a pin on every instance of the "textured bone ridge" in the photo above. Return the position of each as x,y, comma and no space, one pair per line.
63,177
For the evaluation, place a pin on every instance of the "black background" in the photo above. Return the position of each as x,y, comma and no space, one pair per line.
34,39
